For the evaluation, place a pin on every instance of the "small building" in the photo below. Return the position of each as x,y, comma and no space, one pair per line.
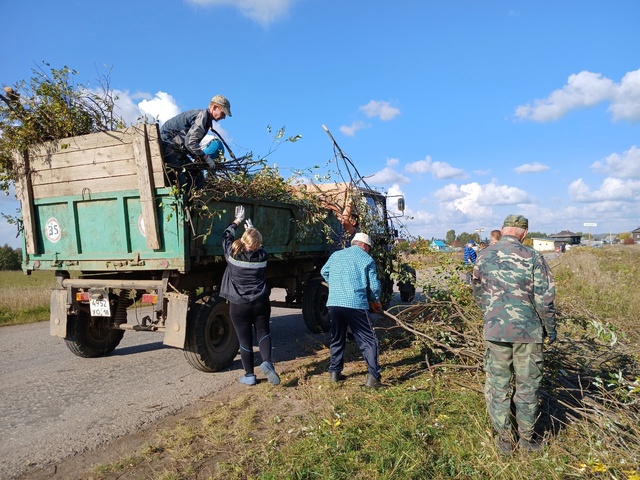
544,244
439,245
635,234
567,237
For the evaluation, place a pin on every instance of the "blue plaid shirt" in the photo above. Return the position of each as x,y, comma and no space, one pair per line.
352,278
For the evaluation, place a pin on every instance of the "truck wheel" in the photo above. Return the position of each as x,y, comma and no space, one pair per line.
91,337
212,343
314,306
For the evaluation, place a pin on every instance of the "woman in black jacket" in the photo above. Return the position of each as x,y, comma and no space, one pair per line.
244,286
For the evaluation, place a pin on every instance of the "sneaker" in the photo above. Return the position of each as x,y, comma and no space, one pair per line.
248,379
270,373
504,445
336,376
373,382
530,446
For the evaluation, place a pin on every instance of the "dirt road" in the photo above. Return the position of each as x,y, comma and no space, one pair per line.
54,404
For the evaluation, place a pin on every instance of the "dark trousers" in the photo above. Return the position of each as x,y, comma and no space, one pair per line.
245,318
365,337
185,178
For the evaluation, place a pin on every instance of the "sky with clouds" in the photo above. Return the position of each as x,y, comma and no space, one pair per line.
471,110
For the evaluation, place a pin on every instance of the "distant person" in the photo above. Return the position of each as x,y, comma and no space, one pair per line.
354,289
181,137
482,245
495,236
514,287
563,248
244,286
469,259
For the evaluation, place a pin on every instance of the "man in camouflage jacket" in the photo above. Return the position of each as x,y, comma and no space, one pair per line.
515,289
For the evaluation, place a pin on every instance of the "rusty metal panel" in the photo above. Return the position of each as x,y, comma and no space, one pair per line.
175,334
58,309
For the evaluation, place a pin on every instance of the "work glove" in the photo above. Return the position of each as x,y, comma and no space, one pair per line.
552,337
210,162
375,307
248,224
239,214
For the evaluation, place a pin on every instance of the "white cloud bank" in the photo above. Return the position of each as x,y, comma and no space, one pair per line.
626,165
584,90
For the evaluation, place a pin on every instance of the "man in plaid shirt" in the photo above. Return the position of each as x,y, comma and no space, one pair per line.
354,288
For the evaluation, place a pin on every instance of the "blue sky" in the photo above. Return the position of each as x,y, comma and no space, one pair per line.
470,109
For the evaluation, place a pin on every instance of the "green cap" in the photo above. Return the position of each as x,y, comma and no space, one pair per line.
516,221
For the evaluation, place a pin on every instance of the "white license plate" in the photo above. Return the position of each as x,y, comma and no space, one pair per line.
100,308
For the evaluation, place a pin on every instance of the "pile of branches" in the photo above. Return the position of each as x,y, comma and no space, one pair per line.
589,375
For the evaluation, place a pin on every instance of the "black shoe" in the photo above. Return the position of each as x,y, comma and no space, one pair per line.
373,382
336,376
530,446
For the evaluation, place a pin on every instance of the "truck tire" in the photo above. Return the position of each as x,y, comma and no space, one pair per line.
91,337
314,306
212,343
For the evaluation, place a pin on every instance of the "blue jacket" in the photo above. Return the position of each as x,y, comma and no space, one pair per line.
352,278
469,255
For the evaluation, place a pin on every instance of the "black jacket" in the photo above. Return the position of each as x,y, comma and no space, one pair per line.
243,280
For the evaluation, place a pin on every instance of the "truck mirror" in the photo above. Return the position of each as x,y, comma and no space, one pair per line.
401,204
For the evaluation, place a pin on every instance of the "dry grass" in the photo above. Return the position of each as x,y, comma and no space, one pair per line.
25,298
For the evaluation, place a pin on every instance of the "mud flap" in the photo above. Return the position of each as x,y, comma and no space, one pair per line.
176,323
58,309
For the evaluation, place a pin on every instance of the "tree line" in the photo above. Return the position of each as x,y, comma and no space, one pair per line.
10,259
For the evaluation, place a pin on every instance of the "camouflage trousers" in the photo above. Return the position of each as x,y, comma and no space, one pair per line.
513,373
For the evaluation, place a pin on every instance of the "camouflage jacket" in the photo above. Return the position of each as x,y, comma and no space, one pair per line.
515,289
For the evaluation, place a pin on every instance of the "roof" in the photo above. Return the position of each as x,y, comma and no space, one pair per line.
438,243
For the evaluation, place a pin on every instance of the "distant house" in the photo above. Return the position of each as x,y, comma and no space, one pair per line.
610,239
567,237
439,245
544,244
636,235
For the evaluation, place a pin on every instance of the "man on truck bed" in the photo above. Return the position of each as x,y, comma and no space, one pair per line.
181,137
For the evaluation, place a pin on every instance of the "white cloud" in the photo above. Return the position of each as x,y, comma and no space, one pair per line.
264,12
392,162
534,167
439,170
387,176
626,102
383,110
611,189
476,201
584,89
162,106
626,165
350,130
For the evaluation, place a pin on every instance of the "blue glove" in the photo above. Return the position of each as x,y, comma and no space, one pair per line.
239,214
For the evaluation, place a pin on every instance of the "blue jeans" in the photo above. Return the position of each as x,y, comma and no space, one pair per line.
365,337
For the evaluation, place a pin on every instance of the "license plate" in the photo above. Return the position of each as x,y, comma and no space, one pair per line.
100,308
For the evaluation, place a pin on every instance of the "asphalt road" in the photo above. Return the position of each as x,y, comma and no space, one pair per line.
54,404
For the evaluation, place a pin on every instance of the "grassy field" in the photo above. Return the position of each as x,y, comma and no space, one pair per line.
24,298
430,421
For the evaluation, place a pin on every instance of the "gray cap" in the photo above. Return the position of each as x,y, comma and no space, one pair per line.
515,221
223,103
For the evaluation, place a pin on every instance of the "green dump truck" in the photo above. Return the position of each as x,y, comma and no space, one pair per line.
98,211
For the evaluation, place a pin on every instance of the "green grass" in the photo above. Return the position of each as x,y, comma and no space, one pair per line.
24,298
